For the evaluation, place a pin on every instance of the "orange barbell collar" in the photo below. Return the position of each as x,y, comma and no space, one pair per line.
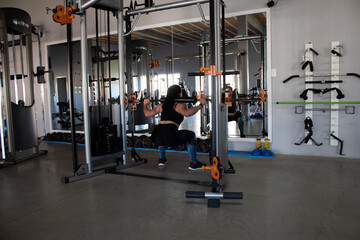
263,95
211,71
200,94
62,15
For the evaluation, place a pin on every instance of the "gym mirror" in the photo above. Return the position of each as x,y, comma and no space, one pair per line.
174,51
164,56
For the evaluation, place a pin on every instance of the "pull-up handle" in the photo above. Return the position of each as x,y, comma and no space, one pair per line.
336,53
353,74
310,63
315,52
304,65
291,77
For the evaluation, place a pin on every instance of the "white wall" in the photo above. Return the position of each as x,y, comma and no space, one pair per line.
293,23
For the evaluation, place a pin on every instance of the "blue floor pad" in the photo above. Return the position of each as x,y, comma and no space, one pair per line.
230,153
69,143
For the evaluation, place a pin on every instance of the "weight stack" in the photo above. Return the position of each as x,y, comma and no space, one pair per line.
106,140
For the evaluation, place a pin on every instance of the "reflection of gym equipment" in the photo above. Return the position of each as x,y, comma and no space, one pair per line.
261,72
308,127
253,98
64,114
19,141
256,114
64,137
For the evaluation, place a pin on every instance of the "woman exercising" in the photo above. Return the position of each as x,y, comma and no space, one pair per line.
234,115
167,133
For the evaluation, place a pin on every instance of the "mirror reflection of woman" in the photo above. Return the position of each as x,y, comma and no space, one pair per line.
233,114
167,134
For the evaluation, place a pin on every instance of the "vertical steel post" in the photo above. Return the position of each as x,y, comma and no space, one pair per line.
30,66
85,89
205,118
15,72
109,64
129,78
122,81
2,80
6,85
42,85
2,130
102,70
147,73
22,70
71,96
215,80
223,43
262,73
97,64
167,66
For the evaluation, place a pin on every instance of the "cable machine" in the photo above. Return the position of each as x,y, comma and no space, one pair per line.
104,150
18,129
219,150
219,161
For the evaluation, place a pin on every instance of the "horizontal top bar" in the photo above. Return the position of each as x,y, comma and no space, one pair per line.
236,39
165,7
112,5
87,5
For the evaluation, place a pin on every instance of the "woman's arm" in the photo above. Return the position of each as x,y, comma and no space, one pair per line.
151,112
187,112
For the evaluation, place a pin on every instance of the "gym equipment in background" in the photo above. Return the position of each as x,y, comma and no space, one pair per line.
336,51
323,75
104,150
340,141
309,129
17,110
304,96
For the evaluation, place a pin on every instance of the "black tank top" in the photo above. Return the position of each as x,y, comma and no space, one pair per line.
231,109
172,115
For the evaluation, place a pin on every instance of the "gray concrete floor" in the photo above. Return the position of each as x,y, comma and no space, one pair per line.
286,197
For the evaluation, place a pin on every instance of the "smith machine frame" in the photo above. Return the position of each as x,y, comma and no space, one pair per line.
219,151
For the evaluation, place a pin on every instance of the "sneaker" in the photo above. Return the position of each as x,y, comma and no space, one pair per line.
162,162
196,166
